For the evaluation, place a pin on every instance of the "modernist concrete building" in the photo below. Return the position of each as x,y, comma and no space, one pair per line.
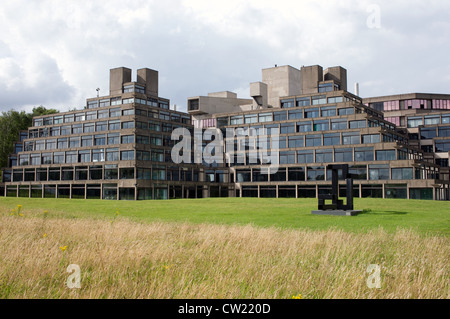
119,146
320,122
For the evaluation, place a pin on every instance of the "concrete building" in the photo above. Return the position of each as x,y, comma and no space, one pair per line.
320,122
119,146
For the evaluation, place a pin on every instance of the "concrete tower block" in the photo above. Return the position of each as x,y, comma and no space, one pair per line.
117,77
149,78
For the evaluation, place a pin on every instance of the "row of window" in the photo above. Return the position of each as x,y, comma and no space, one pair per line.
310,140
94,155
317,173
93,140
415,121
432,132
311,100
99,172
167,116
119,101
82,116
99,126
410,104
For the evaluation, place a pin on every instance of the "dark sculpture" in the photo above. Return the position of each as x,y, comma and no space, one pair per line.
338,204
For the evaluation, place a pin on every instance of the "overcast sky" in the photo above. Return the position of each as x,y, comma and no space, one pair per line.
56,53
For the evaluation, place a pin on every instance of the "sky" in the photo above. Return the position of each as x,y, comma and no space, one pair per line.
56,53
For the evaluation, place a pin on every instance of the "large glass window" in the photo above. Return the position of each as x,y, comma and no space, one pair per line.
363,154
295,114
371,138
311,113
287,103
324,156
427,133
319,99
339,124
295,141
287,157
402,173
349,138
331,139
280,116
315,173
385,155
313,140
328,111
303,101
304,126
305,156
321,125
377,172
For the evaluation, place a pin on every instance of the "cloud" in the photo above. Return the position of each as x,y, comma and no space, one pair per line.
57,53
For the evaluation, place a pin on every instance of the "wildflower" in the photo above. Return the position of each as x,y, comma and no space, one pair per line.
299,296
19,206
45,235
45,211
166,267
63,248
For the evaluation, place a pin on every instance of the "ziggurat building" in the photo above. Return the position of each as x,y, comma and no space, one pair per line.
119,146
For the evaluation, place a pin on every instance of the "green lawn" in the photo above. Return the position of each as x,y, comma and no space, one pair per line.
424,216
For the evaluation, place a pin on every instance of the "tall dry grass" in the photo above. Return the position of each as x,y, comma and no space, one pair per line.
123,259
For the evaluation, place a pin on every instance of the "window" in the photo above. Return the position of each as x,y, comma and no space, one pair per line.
442,145
86,140
164,116
303,101
128,112
371,138
62,143
58,119
142,125
113,138
71,157
69,118
325,87
427,133
338,124
444,131
236,120
58,158
324,156
115,112
346,111
287,128
335,99
84,156
295,114
100,139
287,103
157,156
92,104
321,125
313,140
357,124
331,139
287,157
310,113
349,138
103,113
385,155
264,117
363,154
101,126
304,126
315,173
295,141
251,118
89,128
74,142
126,125
91,115
77,129
155,140
320,99
127,101
80,117
111,172
112,154
114,125
377,172
142,155
40,145
328,111
305,156
431,120
46,158
280,116
358,171
98,155
55,131
414,121
142,139
154,126
402,173
159,173
126,173
127,139
66,130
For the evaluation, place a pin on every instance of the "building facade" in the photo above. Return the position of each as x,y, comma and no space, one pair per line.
119,146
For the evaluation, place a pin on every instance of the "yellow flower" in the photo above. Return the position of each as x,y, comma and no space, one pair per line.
21,215
63,248
19,206
45,211
45,235
299,296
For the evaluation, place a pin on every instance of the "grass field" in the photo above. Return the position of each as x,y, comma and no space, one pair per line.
222,248
420,215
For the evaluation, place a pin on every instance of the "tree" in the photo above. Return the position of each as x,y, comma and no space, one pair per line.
11,123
